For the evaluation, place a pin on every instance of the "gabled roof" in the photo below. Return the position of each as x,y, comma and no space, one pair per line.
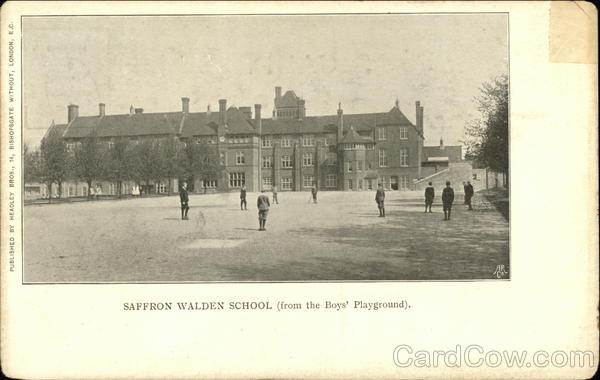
289,99
435,153
328,123
59,128
138,124
166,123
351,137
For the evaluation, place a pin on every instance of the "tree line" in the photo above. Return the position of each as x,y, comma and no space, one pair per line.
486,138
92,159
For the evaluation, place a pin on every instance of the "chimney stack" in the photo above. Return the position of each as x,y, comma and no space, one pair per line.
419,116
301,109
185,105
277,93
222,112
139,110
257,117
208,110
340,131
101,109
441,143
73,112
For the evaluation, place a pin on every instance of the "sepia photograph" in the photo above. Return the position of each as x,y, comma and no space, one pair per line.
310,190
266,148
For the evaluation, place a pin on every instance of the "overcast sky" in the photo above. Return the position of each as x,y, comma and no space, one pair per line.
363,61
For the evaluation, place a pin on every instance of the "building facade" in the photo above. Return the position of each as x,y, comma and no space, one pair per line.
290,150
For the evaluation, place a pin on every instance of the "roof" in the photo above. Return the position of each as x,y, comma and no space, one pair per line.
137,124
351,137
328,123
289,99
436,153
165,123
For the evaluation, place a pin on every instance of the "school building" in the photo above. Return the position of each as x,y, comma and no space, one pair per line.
292,150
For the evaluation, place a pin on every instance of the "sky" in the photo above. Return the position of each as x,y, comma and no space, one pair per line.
364,62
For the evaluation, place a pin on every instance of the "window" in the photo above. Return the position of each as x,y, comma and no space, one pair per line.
286,162
349,184
403,133
359,165
331,180
160,188
286,142
381,133
84,191
404,182
330,140
111,145
403,157
239,158
369,184
286,183
308,140
331,158
475,176
209,183
267,162
382,158
349,166
237,179
267,183
222,158
369,146
71,191
307,159
308,180
267,142
394,182
70,147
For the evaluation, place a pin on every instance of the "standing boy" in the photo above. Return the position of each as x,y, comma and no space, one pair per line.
243,204
184,198
263,209
469,191
447,199
314,194
429,195
379,198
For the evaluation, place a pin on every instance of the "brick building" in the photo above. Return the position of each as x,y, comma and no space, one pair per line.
291,150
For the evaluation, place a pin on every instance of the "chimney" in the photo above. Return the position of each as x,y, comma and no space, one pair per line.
185,105
441,143
301,109
419,120
397,106
139,110
131,109
257,117
340,130
277,93
222,111
101,109
73,112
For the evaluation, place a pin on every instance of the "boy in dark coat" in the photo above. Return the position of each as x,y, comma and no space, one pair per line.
469,191
314,194
380,198
447,199
429,195
243,204
184,199
263,205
